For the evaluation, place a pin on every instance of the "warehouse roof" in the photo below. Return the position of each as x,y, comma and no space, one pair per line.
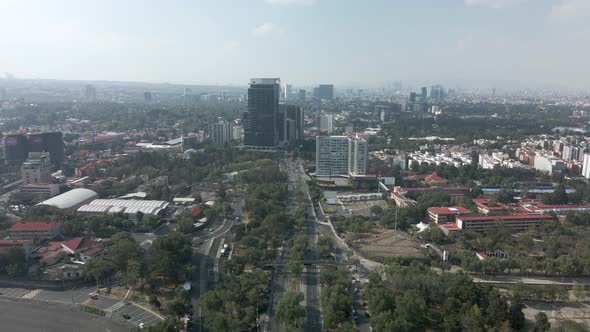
70,198
131,206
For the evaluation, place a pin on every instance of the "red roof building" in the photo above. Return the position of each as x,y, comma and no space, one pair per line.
196,211
444,215
25,244
434,178
484,208
34,229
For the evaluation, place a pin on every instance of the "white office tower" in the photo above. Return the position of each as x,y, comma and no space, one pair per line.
326,125
586,166
341,155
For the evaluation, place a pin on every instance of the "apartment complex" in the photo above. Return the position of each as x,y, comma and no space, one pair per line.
341,155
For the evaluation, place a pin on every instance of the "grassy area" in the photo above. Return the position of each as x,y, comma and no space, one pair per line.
92,310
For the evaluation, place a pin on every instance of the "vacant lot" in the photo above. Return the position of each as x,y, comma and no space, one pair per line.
364,207
579,312
386,243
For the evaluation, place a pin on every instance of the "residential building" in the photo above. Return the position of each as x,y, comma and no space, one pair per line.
326,123
260,118
237,133
549,164
220,132
586,166
34,229
341,155
90,93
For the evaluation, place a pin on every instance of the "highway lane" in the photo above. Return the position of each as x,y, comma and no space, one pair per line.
206,247
32,317
313,316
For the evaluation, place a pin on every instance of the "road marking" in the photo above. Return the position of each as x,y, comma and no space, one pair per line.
31,294
116,306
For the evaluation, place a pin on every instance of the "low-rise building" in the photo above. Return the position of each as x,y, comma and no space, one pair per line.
515,222
34,229
445,215
484,206
40,191
25,244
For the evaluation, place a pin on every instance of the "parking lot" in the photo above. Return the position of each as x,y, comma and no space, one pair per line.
115,308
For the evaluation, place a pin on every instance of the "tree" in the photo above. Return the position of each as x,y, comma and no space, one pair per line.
579,291
99,269
541,322
505,196
290,312
376,210
570,326
517,319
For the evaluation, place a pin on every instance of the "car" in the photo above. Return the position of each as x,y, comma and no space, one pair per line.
141,325
93,296
126,316
237,219
356,290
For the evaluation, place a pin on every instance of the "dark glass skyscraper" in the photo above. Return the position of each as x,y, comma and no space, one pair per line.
260,129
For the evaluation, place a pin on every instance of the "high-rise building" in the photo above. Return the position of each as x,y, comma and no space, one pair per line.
358,155
301,95
281,125
15,148
412,97
36,169
260,118
51,142
295,114
147,97
220,132
90,93
586,166
237,133
325,91
3,94
341,155
326,123
424,93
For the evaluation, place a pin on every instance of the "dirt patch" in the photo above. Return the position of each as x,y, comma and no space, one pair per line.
386,243
579,312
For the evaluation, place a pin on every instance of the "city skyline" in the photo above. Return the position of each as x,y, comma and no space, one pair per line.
305,42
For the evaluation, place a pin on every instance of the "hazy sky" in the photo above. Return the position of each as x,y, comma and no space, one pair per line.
301,41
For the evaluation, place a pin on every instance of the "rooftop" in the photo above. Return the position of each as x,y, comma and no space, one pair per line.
521,216
33,226
450,210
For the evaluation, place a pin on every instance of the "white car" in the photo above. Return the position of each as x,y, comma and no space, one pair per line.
141,325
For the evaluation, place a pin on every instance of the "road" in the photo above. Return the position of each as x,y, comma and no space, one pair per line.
206,246
313,315
31,317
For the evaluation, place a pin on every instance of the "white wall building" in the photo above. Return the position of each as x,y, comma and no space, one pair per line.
326,123
586,166
341,155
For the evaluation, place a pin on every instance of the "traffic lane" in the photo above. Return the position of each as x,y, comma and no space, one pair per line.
32,317
13,292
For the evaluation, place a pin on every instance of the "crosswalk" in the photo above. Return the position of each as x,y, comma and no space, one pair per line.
31,294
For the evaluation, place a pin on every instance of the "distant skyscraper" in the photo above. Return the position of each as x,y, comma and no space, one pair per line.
301,95
288,88
412,97
147,97
3,95
261,116
220,132
424,92
341,155
325,91
295,114
586,166
90,93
